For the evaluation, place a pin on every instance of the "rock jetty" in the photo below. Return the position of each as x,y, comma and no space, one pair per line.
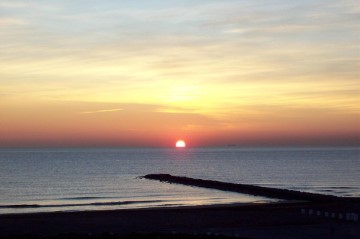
249,189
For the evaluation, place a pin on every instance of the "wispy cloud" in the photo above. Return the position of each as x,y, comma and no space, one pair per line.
172,59
101,111
8,21
14,4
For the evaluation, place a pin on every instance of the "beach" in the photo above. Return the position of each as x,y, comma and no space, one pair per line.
273,220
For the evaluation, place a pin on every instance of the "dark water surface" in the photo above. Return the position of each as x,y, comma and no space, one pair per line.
37,180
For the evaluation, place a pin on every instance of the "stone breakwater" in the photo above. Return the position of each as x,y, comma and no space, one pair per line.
250,189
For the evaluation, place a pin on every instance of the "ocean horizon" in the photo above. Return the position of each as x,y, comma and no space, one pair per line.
86,179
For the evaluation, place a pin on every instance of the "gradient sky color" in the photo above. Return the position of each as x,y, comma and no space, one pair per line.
146,73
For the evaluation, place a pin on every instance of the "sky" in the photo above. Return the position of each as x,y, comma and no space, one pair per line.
146,73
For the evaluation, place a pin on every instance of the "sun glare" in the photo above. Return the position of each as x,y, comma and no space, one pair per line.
180,144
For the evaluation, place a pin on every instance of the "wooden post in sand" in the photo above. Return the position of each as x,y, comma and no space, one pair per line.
310,212
355,217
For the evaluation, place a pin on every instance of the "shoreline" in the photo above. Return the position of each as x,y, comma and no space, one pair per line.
27,208
162,207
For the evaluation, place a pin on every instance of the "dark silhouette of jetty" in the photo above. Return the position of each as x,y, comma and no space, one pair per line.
250,189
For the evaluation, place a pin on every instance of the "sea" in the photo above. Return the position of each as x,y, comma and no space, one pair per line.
88,179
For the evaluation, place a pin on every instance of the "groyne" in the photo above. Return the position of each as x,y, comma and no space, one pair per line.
249,189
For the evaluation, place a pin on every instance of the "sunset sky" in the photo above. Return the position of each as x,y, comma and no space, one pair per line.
149,72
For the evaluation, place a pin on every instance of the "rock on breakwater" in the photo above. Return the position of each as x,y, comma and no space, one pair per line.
249,189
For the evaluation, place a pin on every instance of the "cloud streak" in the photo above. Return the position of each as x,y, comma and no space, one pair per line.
101,111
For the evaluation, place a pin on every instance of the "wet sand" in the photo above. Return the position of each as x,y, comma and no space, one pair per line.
277,220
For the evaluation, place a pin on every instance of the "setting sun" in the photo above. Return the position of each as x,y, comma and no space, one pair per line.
180,144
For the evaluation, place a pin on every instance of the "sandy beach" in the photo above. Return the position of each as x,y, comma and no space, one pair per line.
275,220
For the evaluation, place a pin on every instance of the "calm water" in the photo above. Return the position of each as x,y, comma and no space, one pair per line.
37,180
